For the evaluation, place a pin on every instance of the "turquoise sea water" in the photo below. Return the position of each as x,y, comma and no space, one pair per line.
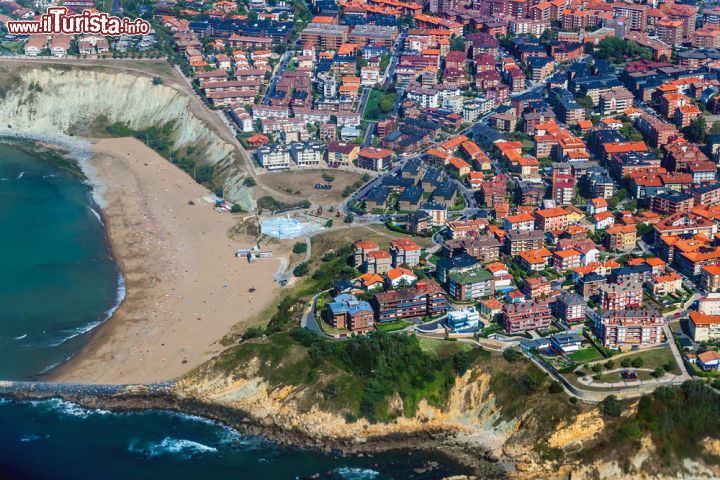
57,279
59,440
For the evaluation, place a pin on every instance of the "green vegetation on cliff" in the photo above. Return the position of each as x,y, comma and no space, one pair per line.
362,376
677,419
160,140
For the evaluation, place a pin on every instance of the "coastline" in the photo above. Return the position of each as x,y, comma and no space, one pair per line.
184,289
438,444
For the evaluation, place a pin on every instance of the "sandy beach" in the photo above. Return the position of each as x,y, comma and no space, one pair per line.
184,287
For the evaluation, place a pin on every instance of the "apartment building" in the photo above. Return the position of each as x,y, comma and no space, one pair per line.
424,299
628,328
347,312
404,252
704,327
308,154
521,317
516,241
615,100
570,308
484,248
470,284
551,219
324,35
620,296
621,237
274,157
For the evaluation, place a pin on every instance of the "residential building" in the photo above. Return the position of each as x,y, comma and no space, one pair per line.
704,327
516,242
379,262
400,277
484,248
347,312
621,296
424,299
570,308
621,237
362,249
274,157
470,284
536,287
521,317
405,252
628,328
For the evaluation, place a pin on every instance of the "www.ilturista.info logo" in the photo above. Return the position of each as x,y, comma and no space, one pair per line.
57,20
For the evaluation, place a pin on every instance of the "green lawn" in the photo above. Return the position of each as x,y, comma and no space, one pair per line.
392,326
653,358
585,355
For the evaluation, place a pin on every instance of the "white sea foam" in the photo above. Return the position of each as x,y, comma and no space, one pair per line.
20,175
179,447
67,408
356,473
34,437
97,215
21,336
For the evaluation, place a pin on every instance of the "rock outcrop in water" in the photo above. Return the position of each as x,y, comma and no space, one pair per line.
51,100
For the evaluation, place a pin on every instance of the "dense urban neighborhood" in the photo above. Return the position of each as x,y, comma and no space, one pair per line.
545,173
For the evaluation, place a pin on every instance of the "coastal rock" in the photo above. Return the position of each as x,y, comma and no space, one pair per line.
52,100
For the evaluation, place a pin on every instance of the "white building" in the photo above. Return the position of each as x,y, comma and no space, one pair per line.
307,154
274,157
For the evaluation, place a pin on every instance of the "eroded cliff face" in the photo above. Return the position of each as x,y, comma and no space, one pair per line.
49,100
470,415
470,425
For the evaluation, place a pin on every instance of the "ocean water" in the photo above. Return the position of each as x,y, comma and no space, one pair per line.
57,278
52,439
57,281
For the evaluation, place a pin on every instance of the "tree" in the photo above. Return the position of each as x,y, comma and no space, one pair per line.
698,130
659,372
349,218
457,43
609,364
596,368
301,269
249,182
511,355
637,362
555,387
715,129
300,247
236,208
611,406
626,362
585,102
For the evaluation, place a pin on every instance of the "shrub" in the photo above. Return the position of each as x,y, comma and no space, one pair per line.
669,366
349,218
249,182
299,247
573,400
597,368
301,269
637,362
626,362
327,177
511,355
610,364
236,208
611,406
659,372
555,387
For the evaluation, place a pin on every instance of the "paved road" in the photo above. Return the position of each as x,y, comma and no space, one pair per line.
279,69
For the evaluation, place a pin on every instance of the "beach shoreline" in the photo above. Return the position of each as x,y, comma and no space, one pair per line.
184,289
